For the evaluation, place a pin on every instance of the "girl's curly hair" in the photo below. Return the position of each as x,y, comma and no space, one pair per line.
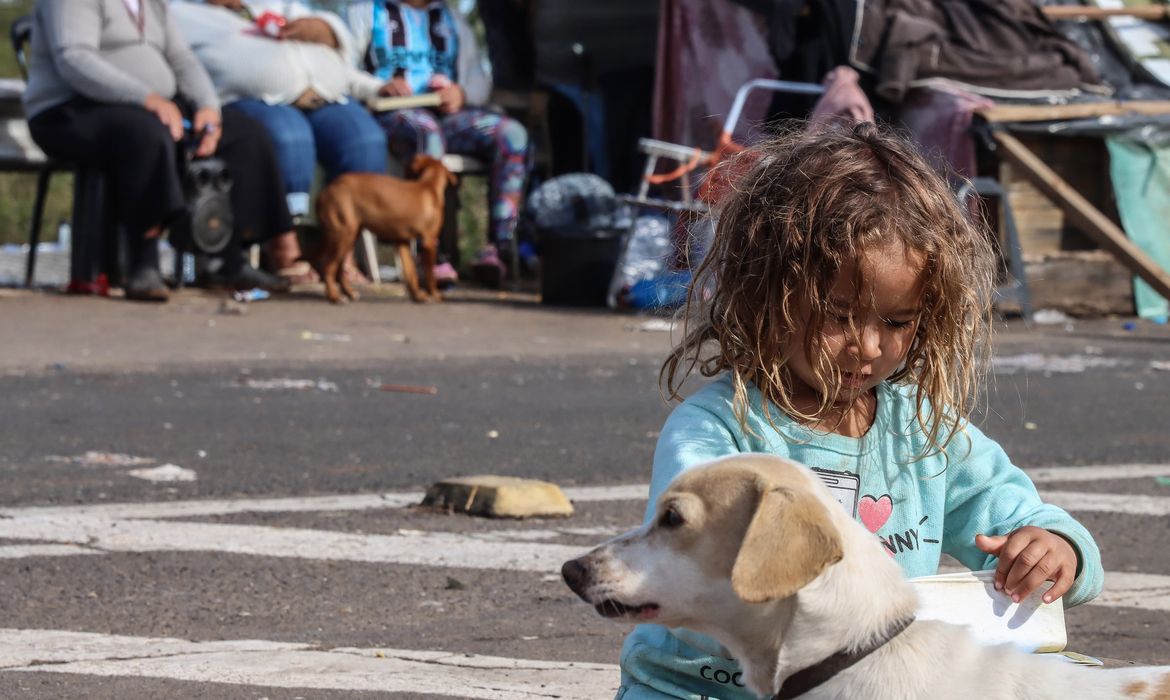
794,212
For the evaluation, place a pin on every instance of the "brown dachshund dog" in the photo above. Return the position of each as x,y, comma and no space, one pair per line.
396,211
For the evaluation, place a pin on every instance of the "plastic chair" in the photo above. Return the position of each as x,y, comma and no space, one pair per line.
95,245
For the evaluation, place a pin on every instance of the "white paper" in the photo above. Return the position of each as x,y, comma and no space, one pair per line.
969,599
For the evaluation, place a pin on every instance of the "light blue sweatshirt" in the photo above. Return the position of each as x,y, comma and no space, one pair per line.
919,508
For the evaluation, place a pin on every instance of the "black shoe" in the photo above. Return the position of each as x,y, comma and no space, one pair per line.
246,277
146,284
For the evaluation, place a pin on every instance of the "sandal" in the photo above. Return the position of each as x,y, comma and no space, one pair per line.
300,272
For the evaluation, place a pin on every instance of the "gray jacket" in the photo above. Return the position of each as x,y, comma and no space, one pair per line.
93,48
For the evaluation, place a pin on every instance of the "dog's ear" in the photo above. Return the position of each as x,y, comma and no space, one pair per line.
789,542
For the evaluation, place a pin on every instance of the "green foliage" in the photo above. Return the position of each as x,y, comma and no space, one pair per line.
17,190
473,219
9,11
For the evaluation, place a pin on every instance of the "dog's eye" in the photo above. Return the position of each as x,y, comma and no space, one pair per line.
670,518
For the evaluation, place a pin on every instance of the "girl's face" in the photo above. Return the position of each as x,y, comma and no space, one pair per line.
868,331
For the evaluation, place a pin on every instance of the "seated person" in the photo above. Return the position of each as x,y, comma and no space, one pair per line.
420,46
110,84
301,91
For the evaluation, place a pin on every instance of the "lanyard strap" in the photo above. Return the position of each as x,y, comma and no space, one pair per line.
137,11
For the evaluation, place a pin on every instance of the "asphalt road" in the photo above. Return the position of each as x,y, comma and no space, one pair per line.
283,404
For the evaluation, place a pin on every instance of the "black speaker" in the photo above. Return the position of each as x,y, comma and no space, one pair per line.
207,228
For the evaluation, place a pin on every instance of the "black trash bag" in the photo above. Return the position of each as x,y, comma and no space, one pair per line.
581,228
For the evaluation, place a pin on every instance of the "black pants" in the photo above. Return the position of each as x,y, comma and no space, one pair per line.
142,163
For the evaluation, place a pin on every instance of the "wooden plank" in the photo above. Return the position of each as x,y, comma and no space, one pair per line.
1148,12
1107,234
1085,110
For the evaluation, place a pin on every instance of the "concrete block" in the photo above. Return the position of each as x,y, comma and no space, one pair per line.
499,497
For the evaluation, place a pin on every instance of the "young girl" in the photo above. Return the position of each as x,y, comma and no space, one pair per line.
844,309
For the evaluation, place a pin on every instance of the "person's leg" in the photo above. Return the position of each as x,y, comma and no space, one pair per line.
408,133
295,144
136,152
292,136
296,155
502,143
349,139
259,208
412,131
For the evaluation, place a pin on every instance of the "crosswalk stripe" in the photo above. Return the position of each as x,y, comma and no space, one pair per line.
204,508
1107,472
20,551
490,550
583,494
285,665
1079,501
1124,589
443,549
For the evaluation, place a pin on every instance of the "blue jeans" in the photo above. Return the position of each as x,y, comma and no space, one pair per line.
342,137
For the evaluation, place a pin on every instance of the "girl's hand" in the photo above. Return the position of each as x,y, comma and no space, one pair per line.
312,30
207,122
451,99
396,87
167,112
1028,557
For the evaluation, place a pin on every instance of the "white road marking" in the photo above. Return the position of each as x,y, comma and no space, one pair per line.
20,551
283,665
1125,589
200,508
1108,472
29,647
1109,502
1037,362
490,550
164,473
360,501
583,494
442,549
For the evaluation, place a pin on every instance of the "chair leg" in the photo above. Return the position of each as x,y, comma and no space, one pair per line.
449,235
88,223
34,234
514,248
369,254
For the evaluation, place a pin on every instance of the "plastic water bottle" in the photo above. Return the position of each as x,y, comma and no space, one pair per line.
64,235
188,267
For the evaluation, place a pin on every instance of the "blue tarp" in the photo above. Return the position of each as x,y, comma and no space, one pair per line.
1140,169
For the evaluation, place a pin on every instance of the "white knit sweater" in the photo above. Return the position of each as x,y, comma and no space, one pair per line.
244,63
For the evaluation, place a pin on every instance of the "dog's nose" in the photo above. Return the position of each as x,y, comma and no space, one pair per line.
575,572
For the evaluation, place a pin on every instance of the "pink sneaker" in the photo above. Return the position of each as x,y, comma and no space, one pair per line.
488,269
445,275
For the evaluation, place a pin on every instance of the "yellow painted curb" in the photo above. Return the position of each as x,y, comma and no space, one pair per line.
499,497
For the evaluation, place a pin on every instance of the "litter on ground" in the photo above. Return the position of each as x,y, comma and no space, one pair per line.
164,473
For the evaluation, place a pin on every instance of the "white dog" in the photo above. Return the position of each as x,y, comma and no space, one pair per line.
753,551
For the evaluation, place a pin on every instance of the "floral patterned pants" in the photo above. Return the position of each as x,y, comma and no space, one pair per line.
498,140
